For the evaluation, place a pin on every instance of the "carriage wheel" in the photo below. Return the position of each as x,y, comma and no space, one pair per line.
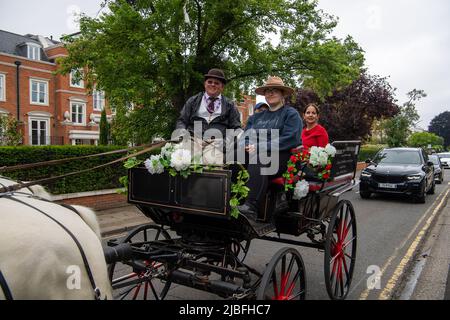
340,250
137,284
284,277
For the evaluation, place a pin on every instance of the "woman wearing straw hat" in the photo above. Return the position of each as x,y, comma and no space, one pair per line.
279,117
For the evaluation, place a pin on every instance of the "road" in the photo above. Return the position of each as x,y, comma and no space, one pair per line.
389,227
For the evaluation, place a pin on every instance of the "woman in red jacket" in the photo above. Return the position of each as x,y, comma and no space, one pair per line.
313,134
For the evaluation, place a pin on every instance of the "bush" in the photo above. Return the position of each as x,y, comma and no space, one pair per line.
104,178
368,151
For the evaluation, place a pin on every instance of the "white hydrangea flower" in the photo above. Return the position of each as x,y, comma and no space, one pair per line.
318,156
154,165
330,150
314,156
168,149
301,189
323,158
181,159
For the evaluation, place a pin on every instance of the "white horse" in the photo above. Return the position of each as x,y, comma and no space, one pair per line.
47,250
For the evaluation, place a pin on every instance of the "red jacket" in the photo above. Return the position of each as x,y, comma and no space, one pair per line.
317,136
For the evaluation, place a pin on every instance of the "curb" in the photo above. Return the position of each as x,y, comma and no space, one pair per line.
447,288
418,261
119,230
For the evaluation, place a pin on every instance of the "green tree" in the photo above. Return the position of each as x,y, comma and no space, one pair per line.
9,133
440,125
154,53
104,129
350,111
423,139
399,127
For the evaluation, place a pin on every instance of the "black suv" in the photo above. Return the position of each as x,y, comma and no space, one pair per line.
398,170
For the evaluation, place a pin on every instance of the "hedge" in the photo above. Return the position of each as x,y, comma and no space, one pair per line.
368,151
104,178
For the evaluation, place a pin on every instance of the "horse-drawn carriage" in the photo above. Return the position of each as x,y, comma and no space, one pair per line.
208,246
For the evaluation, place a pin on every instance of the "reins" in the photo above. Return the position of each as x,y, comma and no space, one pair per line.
18,186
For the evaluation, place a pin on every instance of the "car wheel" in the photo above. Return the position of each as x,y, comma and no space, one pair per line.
432,188
420,198
365,194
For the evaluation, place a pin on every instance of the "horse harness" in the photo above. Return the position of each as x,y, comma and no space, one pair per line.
96,289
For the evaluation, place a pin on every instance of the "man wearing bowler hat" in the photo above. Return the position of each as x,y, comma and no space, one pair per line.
209,109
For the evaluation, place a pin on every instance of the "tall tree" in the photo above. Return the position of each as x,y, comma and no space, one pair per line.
154,52
440,125
104,129
349,112
399,127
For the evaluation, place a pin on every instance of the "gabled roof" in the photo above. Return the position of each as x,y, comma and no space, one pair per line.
11,43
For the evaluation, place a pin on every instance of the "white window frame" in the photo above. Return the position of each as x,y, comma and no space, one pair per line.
98,97
33,51
47,130
39,81
83,104
79,84
2,87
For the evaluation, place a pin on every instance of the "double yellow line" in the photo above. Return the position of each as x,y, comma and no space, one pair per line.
386,293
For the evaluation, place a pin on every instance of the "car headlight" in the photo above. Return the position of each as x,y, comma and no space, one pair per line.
366,174
414,177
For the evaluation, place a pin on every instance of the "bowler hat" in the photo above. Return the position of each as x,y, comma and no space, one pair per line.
217,74
274,83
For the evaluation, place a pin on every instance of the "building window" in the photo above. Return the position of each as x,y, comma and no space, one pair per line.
39,132
78,113
99,100
33,52
76,78
39,92
2,87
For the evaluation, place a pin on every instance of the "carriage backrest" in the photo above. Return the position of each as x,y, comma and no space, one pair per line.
345,161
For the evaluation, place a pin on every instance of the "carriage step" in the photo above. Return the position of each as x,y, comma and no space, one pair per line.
258,228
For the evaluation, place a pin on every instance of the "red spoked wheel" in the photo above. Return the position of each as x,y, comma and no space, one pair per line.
284,277
340,250
147,280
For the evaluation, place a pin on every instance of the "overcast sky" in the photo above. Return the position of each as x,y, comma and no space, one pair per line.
405,40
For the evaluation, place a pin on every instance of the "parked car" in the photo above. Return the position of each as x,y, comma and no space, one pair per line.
398,170
445,159
438,168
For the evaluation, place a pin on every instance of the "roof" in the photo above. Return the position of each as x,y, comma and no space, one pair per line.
403,148
10,43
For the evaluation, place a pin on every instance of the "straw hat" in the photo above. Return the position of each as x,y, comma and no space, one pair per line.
274,83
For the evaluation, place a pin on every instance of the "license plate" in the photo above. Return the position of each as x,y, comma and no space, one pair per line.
387,185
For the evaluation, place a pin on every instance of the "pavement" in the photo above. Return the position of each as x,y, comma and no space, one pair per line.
120,220
433,262
428,278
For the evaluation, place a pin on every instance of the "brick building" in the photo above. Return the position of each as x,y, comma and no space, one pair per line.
245,108
51,108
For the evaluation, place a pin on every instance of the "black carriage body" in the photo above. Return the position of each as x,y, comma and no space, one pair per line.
206,193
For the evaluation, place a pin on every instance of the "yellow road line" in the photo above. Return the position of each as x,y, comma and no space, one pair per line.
387,291
367,291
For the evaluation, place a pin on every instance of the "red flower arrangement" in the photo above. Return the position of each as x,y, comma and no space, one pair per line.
296,164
